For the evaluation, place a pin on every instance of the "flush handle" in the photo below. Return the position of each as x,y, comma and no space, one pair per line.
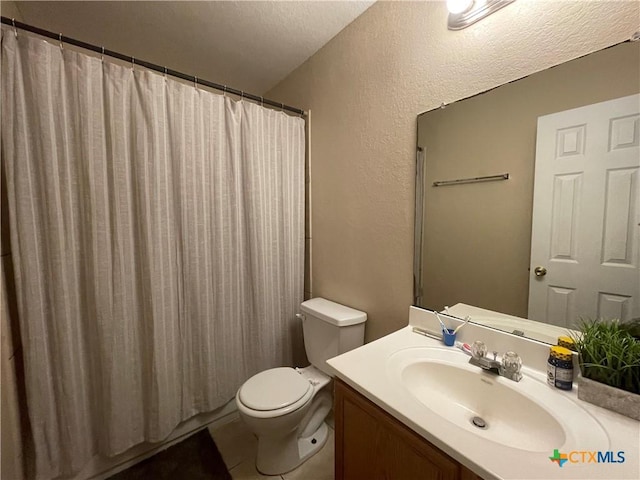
540,271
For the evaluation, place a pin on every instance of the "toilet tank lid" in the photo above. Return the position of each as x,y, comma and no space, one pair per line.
332,312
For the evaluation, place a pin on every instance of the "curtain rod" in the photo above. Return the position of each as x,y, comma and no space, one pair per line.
152,66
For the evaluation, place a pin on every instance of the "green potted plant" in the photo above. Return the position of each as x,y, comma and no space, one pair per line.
609,359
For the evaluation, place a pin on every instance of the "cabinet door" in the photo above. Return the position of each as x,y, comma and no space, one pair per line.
371,444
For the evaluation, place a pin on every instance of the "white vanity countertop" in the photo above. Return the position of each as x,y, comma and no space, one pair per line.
366,370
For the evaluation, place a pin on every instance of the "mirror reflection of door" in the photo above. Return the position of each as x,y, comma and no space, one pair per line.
473,240
585,235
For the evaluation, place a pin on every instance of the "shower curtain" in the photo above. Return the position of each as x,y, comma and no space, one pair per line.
157,234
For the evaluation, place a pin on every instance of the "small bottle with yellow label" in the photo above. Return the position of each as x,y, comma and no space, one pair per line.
560,368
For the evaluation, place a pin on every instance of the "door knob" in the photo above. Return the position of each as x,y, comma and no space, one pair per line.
540,271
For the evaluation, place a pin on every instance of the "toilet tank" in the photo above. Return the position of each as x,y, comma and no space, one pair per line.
330,329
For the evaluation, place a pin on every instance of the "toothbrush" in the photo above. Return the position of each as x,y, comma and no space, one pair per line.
466,320
444,329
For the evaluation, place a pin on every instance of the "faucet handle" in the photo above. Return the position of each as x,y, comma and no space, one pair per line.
478,349
511,363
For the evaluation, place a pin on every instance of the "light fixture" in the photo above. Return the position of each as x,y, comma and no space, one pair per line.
463,13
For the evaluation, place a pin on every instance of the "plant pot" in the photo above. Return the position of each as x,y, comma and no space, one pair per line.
620,401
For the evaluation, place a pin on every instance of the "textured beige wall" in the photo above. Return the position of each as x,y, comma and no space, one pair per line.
482,232
366,87
10,9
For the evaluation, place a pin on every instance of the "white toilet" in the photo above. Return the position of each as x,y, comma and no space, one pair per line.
286,407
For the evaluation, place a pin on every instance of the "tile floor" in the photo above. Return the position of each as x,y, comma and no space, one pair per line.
237,445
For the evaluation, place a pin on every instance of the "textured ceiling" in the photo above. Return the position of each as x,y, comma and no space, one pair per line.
247,45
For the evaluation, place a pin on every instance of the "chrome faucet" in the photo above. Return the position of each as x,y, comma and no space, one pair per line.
509,366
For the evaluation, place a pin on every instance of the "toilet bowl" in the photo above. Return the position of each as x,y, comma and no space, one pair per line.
286,407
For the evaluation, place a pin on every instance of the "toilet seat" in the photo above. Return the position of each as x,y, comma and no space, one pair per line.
275,392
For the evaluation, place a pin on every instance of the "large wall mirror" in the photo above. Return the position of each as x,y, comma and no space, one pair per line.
553,234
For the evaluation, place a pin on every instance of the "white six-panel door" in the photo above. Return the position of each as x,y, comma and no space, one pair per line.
586,216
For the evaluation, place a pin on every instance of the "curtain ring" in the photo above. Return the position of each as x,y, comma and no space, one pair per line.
282,107
262,101
241,95
60,40
102,55
224,91
195,82
133,63
15,30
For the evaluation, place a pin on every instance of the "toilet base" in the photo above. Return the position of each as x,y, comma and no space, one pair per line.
309,446
289,452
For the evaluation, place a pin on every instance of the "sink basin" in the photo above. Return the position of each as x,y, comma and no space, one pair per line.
525,415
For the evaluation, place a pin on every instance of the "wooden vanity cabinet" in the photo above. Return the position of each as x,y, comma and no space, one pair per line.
372,445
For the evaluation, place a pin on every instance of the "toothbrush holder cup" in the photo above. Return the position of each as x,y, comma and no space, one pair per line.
449,337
